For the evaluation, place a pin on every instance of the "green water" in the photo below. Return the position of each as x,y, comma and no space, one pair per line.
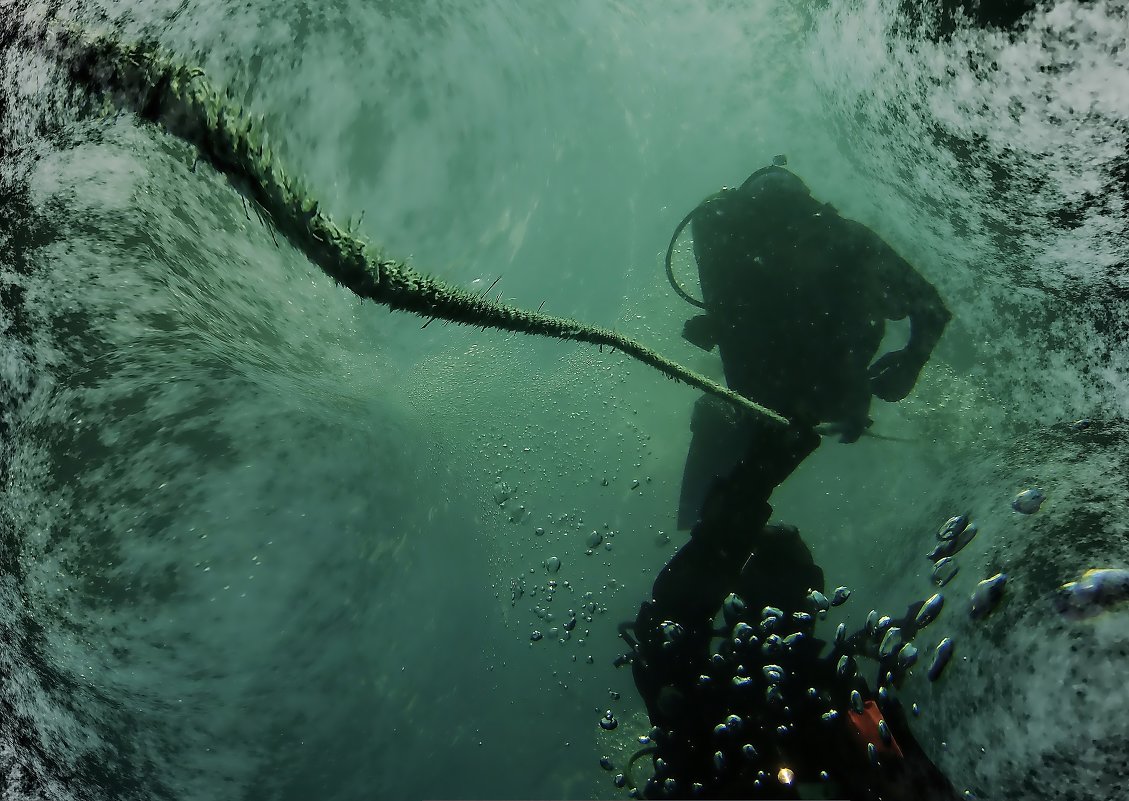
253,537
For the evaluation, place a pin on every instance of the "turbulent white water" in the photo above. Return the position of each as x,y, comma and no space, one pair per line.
253,543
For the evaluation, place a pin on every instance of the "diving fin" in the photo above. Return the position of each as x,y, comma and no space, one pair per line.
837,429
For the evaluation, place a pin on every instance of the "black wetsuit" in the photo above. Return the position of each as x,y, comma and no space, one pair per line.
796,299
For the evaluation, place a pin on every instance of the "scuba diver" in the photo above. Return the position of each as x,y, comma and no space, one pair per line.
751,708
796,300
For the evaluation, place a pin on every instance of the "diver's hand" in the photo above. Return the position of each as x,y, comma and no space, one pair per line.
892,377
700,331
851,430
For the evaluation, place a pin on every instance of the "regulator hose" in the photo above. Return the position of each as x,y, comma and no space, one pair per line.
682,293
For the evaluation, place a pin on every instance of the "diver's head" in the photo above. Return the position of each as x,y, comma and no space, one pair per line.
774,180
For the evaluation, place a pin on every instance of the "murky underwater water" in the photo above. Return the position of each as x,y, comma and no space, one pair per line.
264,541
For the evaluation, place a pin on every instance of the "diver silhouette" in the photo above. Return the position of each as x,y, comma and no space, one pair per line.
796,299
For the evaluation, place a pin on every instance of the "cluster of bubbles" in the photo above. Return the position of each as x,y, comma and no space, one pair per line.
952,537
755,694
766,685
540,583
544,591
560,628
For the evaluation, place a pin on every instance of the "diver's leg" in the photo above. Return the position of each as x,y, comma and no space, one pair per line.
689,590
675,628
716,446
772,453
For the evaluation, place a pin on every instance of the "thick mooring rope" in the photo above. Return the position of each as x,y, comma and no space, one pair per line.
159,88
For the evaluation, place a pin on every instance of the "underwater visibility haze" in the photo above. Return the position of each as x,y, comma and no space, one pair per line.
262,539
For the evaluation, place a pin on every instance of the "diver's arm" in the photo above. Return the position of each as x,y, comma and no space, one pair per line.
906,293
928,315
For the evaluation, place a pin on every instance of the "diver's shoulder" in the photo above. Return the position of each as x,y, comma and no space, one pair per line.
727,194
729,198
723,204
857,234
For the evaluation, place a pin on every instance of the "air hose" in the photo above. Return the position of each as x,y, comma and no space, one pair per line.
682,293
776,165
146,79
627,774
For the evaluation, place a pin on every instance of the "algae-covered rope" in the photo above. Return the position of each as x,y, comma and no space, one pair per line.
144,78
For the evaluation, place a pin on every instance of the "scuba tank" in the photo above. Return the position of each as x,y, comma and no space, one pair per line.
777,162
